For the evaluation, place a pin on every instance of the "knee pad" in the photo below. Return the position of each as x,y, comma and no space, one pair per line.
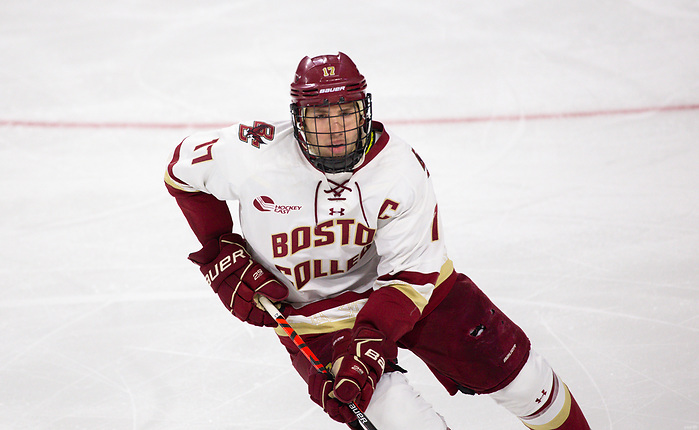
536,396
396,405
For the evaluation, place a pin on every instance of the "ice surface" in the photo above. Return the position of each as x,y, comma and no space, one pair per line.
562,138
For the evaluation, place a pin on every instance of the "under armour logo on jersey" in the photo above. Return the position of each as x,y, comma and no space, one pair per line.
340,212
255,134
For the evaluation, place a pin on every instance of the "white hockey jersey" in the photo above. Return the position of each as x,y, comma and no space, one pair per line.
331,238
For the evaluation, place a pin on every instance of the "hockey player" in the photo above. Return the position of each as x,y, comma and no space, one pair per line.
340,227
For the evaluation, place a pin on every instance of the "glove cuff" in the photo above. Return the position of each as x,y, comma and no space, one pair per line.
211,249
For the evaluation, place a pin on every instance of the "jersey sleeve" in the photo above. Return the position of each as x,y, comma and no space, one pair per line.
193,179
413,258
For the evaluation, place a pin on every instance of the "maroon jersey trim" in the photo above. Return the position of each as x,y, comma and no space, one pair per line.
377,146
175,159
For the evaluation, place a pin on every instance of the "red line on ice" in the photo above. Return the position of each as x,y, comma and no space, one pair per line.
415,121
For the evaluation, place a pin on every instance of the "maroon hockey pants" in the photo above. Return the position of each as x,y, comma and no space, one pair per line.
466,341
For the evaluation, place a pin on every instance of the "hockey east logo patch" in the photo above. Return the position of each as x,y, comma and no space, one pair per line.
266,204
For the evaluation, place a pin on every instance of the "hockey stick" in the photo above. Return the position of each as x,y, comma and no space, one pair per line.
306,351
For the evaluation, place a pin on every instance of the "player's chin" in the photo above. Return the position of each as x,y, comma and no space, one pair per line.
336,151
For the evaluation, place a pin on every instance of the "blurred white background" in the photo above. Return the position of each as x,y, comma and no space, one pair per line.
561,136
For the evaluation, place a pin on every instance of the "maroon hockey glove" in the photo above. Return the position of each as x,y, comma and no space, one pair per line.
236,277
359,360
320,387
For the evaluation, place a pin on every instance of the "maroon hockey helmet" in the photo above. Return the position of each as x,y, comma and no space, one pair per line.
322,82
327,79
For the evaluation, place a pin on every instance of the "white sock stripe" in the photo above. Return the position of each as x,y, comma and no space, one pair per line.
555,415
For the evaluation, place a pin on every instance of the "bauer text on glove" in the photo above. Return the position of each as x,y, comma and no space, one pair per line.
359,360
236,277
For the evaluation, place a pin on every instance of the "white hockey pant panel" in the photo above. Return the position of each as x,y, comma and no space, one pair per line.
396,405
536,396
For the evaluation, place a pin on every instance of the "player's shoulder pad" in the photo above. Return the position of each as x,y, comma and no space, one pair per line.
402,159
254,134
